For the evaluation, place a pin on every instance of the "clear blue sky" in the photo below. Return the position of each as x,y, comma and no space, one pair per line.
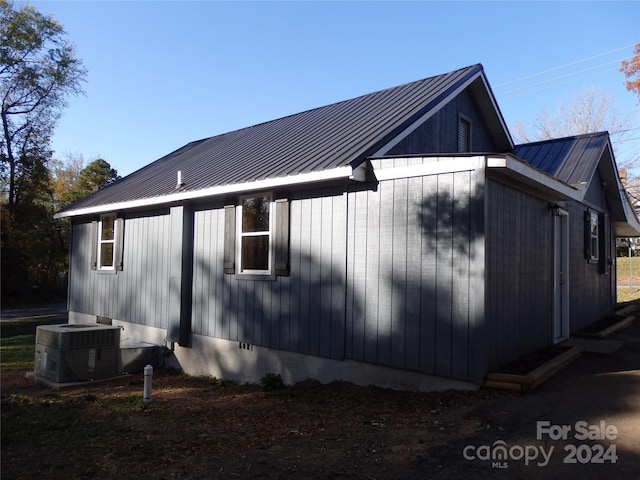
162,74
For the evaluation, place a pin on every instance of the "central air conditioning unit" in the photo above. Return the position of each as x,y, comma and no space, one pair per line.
73,353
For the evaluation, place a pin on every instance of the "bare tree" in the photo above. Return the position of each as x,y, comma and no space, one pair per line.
588,111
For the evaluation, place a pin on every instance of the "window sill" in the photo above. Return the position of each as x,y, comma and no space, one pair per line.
255,276
107,272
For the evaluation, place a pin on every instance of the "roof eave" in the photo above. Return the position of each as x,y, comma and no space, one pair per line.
340,173
520,171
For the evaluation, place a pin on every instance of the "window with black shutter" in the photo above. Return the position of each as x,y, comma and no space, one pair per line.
256,239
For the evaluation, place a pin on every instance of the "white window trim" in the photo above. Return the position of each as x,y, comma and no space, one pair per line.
240,235
101,242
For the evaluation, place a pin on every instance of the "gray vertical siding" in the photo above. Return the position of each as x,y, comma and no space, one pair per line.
412,272
589,289
392,274
303,312
139,292
440,132
519,273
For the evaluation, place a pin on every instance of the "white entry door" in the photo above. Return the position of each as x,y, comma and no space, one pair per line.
560,275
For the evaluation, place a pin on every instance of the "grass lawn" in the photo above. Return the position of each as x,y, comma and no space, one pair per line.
628,276
17,348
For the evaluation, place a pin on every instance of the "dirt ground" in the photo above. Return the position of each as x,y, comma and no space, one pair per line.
199,428
203,428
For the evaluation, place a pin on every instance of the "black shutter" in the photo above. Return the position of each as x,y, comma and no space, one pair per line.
119,243
230,239
603,244
94,245
281,237
587,235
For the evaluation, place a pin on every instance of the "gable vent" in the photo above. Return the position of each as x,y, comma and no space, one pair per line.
464,135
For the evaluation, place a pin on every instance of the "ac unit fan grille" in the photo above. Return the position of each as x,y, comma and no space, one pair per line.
46,337
67,337
95,338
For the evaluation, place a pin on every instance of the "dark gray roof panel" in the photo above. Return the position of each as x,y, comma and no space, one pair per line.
572,160
336,135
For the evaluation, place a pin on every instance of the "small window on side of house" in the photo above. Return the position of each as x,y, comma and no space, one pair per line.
107,242
464,134
594,237
255,234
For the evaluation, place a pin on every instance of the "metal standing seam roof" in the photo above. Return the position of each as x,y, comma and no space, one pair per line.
572,160
337,135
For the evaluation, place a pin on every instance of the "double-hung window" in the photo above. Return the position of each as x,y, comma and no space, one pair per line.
593,237
107,243
256,236
255,246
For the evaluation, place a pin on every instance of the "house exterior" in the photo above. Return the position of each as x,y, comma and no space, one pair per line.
398,239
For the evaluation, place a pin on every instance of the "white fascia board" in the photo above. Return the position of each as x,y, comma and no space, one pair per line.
359,174
266,184
626,229
383,151
514,166
630,228
443,165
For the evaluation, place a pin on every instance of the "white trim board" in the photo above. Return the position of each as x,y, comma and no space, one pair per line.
266,184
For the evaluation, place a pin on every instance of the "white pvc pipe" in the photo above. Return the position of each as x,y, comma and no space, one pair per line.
148,376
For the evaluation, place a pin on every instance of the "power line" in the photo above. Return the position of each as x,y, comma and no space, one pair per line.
558,84
625,140
563,66
625,130
564,76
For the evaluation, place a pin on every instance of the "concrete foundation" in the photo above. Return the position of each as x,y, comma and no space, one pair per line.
248,363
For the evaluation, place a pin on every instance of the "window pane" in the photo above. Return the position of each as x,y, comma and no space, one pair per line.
255,252
255,214
594,224
106,255
107,228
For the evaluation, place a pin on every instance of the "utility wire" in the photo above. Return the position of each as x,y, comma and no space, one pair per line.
563,66
563,76
625,130
625,140
558,84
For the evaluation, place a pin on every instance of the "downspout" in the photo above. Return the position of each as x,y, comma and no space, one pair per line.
180,275
346,272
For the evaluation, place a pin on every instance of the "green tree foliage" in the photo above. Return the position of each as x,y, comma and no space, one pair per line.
38,71
65,175
93,177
